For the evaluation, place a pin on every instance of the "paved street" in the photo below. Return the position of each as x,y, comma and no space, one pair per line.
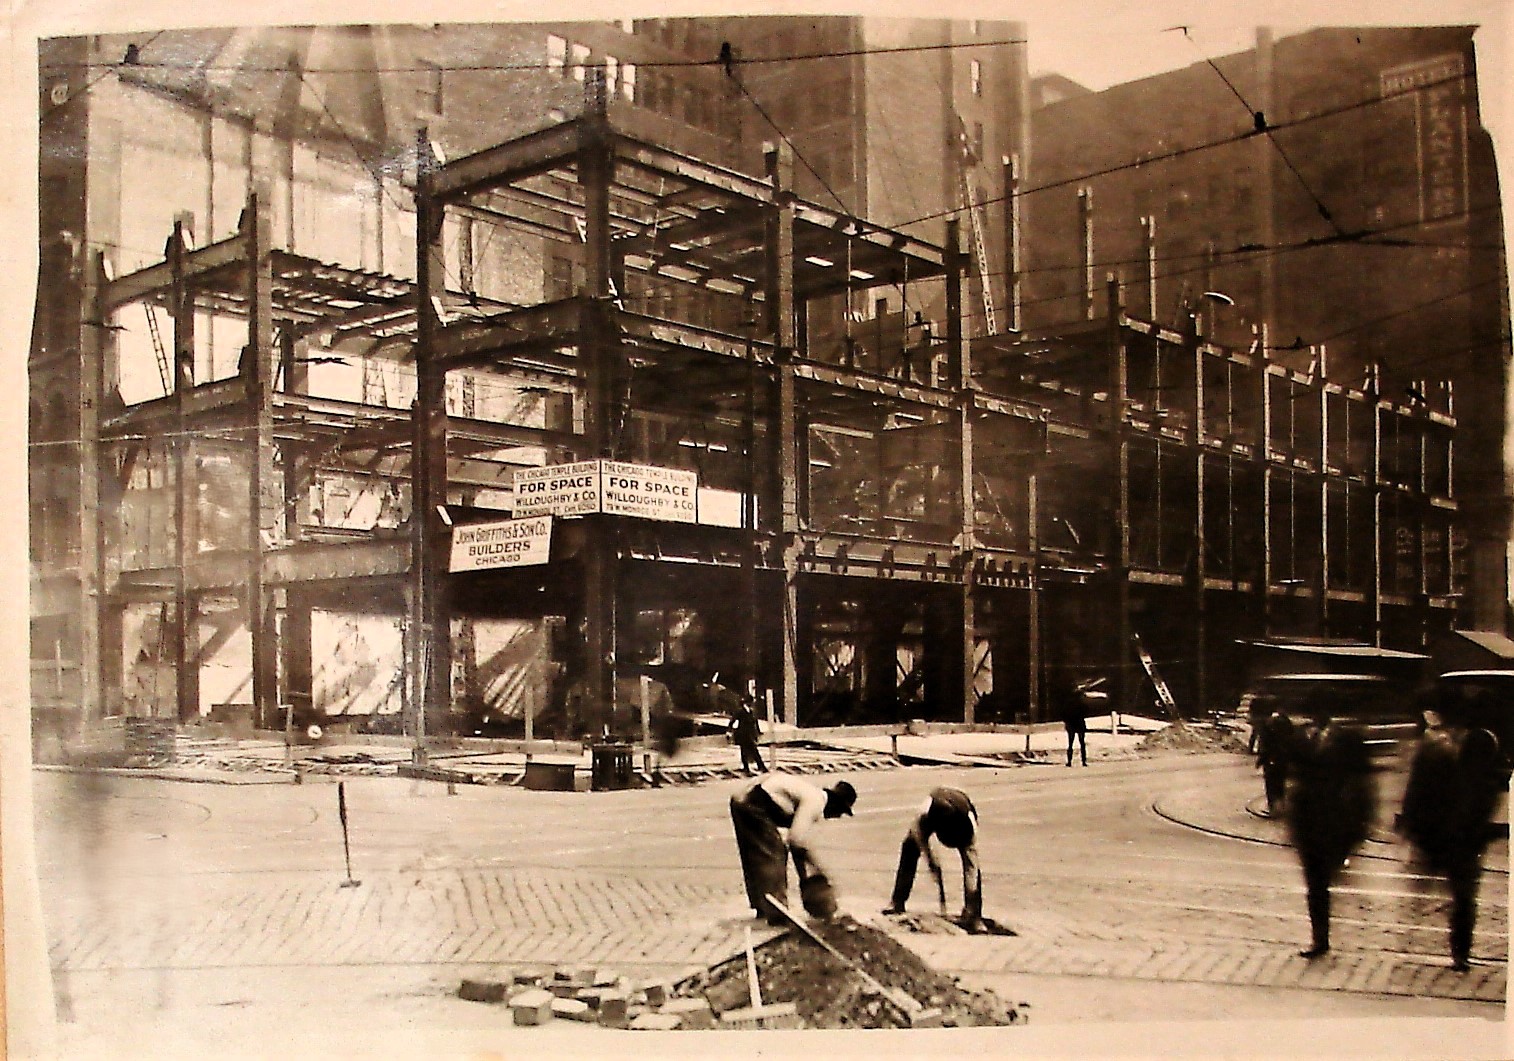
166,899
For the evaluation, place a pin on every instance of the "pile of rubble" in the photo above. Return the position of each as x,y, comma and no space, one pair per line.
850,975
836,974
593,997
1192,737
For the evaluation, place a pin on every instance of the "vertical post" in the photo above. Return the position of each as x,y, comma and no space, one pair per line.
430,628
1085,227
1322,494
959,376
1375,484
604,366
1200,570
792,464
1013,262
1033,633
1119,385
92,518
182,309
257,370
1149,249
1264,463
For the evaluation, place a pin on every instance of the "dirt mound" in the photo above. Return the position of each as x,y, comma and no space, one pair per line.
829,994
1192,737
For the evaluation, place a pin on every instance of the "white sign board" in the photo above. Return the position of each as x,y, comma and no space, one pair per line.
507,543
612,487
649,493
558,489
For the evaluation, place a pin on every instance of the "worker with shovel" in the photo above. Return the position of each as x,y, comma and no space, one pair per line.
777,801
949,816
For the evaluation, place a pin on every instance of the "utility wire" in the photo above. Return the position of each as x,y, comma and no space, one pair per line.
1259,122
566,65
1191,149
132,58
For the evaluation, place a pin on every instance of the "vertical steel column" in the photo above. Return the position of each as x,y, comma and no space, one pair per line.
1013,260
596,174
1200,571
1085,228
92,518
1375,484
1264,464
1119,386
959,376
1033,642
257,371
1149,251
792,462
181,308
1322,490
430,641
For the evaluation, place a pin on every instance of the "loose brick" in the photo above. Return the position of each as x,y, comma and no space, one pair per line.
590,996
655,1022
565,988
604,978
693,1012
656,993
532,1007
926,1018
482,991
572,1009
612,1010
528,978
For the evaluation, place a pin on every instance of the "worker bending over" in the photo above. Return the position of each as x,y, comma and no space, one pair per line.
779,802
947,815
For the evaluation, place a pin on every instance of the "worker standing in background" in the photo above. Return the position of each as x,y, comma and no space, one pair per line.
949,816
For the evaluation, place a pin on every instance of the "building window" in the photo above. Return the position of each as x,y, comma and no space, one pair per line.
972,26
626,25
628,82
580,60
612,76
977,76
557,54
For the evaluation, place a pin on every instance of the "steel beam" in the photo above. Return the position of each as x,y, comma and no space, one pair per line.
525,156
193,267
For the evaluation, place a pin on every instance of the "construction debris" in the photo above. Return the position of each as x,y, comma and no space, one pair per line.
864,984
826,974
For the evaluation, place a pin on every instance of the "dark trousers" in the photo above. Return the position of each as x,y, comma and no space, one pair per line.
1319,875
750,755
904,882
1463,876
1275,783
1081,736
764,857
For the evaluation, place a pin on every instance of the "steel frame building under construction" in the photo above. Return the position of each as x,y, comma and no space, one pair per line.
893,520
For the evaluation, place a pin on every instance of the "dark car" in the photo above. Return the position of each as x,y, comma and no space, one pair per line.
1386,709
1484,698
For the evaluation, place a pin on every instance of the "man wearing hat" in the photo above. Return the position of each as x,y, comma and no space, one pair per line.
777,801
949,816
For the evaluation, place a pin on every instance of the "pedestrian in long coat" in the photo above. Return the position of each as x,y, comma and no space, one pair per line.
1454,783
1330,805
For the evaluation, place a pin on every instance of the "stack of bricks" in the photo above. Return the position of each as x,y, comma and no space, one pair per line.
591,996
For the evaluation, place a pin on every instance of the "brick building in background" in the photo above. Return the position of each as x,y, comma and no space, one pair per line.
1363,228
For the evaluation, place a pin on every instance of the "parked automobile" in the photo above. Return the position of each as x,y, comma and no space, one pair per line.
1485,698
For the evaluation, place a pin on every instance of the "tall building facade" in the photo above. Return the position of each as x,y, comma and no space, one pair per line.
1337,189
